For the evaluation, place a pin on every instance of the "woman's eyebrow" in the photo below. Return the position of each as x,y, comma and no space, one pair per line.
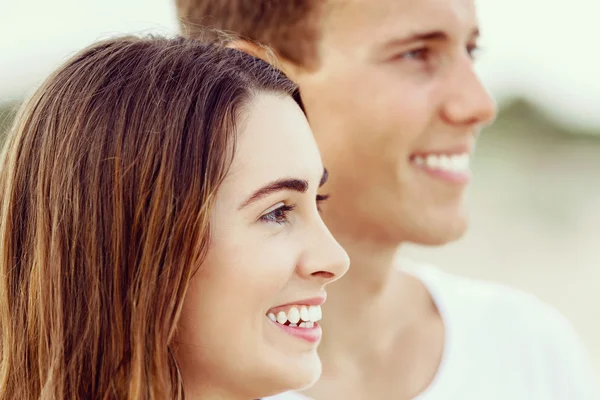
296,185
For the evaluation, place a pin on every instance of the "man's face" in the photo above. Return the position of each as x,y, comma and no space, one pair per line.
396,107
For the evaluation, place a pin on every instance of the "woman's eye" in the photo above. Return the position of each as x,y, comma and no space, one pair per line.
278,215
320,199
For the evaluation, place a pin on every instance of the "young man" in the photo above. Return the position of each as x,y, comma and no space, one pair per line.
392,97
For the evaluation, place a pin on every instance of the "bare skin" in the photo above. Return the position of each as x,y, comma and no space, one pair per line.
395,82
266,253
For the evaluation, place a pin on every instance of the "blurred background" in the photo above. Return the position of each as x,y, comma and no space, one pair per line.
535,200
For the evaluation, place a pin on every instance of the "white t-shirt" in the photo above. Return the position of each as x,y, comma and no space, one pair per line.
501,344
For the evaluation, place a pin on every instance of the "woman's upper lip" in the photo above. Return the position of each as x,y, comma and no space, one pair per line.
313,301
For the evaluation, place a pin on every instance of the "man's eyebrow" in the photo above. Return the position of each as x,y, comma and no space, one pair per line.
416,37
434,35
296,185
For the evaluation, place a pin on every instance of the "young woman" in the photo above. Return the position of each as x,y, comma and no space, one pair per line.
159,230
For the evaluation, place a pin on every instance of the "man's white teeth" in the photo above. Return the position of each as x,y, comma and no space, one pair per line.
305,317
450,163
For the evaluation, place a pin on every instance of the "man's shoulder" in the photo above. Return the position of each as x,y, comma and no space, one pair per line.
503,330
507,316
483,300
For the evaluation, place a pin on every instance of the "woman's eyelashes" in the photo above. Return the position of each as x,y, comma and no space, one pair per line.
320,199
279,213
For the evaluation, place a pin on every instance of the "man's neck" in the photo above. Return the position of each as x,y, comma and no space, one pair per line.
372,315
372,290
371,266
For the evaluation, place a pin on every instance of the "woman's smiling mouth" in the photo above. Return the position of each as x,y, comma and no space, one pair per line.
300,319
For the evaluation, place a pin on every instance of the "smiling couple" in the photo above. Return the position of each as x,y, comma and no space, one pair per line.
171,222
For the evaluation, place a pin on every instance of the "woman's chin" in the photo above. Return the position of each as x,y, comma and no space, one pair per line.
310,374
299,372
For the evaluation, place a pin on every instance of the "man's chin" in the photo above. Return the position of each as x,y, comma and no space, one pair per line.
439,234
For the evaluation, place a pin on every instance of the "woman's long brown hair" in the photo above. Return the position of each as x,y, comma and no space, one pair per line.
107,181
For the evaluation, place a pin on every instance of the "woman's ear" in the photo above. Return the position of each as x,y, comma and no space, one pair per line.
265,53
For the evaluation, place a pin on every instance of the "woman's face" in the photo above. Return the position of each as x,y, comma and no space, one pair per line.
270,258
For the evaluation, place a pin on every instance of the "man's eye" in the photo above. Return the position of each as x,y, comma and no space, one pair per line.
420,54
473,50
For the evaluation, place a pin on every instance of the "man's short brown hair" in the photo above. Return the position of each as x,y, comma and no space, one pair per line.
290,27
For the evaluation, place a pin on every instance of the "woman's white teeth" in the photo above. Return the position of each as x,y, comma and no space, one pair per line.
314,313
305,317
293,315
282,317
442,162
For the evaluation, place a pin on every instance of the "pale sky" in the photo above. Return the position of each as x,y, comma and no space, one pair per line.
547,50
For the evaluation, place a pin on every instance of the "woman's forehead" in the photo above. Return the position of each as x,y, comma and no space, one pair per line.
274,141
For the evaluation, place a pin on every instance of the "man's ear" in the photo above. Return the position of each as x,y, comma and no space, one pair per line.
248,47
267,54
